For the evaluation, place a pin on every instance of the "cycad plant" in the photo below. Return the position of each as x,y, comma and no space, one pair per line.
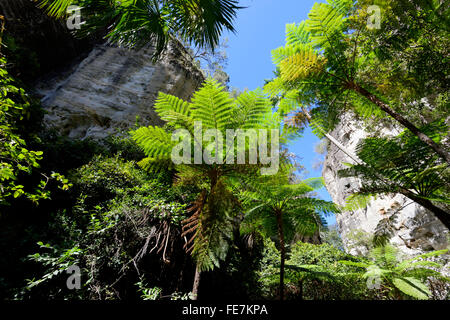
209,228
283,210
407,277
134,23
320,65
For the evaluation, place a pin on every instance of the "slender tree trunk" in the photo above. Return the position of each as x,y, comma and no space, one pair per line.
399,118
196,283
282,252
333,140
442,215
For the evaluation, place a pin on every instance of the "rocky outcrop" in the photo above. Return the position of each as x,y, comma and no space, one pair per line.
112,86
416,229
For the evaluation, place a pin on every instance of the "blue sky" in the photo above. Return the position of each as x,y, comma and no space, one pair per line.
259,29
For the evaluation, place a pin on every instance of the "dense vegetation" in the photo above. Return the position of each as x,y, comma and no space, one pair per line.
140,226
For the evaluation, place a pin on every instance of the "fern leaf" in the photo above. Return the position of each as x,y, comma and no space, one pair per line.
301,65
212,105
412,287
323,21
154,141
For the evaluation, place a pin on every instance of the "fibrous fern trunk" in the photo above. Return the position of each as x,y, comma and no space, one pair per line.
282,252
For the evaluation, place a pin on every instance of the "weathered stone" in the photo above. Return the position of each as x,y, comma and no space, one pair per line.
416,229
108,89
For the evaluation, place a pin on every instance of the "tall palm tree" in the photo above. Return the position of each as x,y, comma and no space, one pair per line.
283,209
209,228
134,23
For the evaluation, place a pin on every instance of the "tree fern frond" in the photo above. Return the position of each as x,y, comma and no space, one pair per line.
296,34
251,109
56,8
212,105
154,141
171,108
357,201
155,164
301,65
344,7
324,20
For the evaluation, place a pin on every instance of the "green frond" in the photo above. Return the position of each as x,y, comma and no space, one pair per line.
155,164
315,183
301,65
354,264
289,102
154,141
425,256
412,287
385,256
296,34
324,20
403,266
344,7
357,201
317,127
252,106
212,105
173,109
56,8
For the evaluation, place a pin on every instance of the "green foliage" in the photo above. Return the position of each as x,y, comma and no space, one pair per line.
135,23
17,159
121,216
215,209
54,261
279,209
328,61
399,278
312,272
390,165
267,196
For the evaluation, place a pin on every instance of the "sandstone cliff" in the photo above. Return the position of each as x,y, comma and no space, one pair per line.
416,229
109,88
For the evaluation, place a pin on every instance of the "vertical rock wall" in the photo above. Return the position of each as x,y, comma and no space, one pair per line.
416,229
109,88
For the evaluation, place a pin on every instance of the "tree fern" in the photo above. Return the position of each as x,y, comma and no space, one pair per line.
208,230
407,276
212,106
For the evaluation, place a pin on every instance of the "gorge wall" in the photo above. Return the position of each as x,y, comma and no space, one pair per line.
416,230
112,86
87,87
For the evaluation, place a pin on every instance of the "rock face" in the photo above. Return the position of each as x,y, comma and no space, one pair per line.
92,89
416,229
108,89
